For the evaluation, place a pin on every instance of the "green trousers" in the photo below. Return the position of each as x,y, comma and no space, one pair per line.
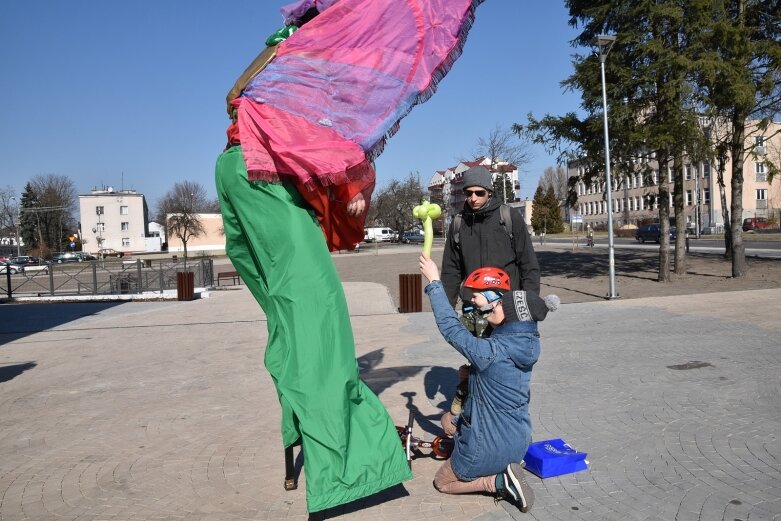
350,445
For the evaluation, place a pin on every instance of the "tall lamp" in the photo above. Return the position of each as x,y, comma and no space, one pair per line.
604,42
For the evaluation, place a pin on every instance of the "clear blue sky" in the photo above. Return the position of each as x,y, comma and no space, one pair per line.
132,93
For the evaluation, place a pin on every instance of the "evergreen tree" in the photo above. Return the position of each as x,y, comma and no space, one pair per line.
27,219
540,211
555,222
649,83
740,76
505,193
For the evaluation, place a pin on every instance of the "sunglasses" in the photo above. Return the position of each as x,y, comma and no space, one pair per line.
478,193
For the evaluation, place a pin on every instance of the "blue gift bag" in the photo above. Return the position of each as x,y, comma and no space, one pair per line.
554,458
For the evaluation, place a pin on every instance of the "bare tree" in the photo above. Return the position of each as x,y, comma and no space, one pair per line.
8,211
501,145
55,206
180,207
557,179
393,204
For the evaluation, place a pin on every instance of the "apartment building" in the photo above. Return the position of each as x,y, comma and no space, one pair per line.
702,199
113,219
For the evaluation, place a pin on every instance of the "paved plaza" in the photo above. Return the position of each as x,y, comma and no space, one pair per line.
163,410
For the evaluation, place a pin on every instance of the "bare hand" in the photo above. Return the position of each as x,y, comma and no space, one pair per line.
357,205
428,268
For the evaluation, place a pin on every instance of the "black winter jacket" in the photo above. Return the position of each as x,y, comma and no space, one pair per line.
484,242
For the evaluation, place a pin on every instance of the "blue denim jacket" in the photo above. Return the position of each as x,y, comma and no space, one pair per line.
494,429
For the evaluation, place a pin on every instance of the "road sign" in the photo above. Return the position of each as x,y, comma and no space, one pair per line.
576,218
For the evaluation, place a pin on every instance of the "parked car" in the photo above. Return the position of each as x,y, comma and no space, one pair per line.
109,252
12,268
653,232
408,237
754,223
69,256
23,260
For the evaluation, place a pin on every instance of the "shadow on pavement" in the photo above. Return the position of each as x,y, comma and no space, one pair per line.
9,372
380,379
592,264
20,320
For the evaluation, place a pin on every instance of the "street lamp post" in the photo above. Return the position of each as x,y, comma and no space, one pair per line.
604,42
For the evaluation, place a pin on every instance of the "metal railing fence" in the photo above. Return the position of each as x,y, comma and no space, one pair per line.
104,277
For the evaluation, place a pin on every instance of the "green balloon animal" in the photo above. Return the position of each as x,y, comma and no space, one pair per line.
426,212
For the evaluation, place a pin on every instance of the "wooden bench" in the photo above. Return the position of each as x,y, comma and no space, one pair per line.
232,275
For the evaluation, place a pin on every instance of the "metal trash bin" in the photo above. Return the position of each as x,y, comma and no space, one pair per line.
410,293
185,285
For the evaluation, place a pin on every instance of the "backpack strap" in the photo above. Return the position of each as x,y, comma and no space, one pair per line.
506,220
457,227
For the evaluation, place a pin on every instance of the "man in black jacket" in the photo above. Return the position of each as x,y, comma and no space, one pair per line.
484,240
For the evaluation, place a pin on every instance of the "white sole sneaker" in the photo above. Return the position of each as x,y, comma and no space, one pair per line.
518,487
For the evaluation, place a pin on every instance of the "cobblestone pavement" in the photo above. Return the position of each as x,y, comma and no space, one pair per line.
162,410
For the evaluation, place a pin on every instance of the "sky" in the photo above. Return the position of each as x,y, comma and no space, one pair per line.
131,94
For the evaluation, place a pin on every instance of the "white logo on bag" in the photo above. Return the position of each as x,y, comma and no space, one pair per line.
553,450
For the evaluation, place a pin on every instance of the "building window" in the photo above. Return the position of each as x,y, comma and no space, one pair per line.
759,168
100,227
706,196
125,226
759,141
688,172
705,170
98,210
688,197
669,174
123,210
761,194
125,242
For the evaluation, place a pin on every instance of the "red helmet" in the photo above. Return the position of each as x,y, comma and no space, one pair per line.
488,278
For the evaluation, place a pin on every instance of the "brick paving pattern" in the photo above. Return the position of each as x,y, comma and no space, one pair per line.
162,410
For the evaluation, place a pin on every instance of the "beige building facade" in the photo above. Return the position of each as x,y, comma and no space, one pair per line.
113,219
702,199
211,241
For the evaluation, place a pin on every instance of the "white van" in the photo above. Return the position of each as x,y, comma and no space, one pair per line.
378,235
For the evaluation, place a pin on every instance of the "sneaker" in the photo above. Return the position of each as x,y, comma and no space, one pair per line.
516,489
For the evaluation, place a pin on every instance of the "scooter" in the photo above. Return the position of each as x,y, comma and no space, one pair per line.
441,446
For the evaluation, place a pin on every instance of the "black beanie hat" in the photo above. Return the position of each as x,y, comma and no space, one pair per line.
478,176
526,306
